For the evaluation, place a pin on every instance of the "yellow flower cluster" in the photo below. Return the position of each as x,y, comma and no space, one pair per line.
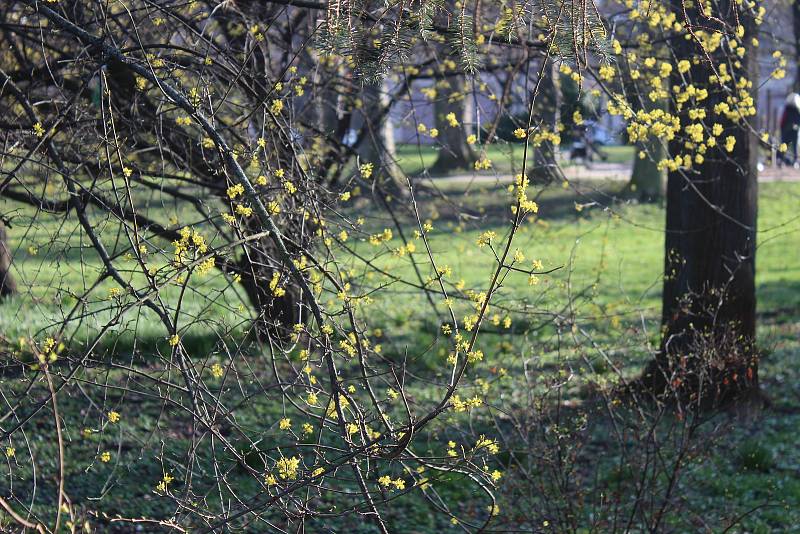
483,164
521,183
655,123
273,285
288,467
545,135
465,405
489,444
164,483
366,170
486,238
377,239
48,351
386,481
191,241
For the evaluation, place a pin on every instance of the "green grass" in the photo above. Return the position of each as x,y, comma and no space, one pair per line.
619,153
506,158
617,253
607,262
416,159
60,277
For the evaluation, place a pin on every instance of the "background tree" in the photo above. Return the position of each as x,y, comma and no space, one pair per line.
548,107
449,109
648,175
648,180
795,7
7,285
378,145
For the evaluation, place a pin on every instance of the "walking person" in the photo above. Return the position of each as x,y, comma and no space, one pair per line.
790,124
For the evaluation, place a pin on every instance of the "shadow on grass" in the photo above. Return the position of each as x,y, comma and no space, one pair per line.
488,204
779,300
131,349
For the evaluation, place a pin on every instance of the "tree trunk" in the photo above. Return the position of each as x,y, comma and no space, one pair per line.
276,316
7,285
278,307
469,122
378,146
548,108
647,181
455,153
796,20
707,352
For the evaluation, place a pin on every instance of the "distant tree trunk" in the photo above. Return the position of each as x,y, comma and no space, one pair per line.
7,285
647,181
469,111
796,21
708,352
378,146
547,108
455,153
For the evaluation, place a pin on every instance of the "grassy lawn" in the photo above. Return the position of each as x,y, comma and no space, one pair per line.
506,158
606,258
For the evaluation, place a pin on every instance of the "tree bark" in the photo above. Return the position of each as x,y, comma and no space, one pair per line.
548,108
455,153
707,351
378,147
276,313
796,23
7,285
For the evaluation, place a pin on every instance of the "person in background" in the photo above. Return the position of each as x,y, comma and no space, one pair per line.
790,123
586,144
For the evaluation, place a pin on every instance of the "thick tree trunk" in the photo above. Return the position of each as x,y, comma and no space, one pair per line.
276,315
708,353
455,153
279,306
7,285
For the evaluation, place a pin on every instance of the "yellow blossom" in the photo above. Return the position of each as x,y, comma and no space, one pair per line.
366,170
287,467
217,370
